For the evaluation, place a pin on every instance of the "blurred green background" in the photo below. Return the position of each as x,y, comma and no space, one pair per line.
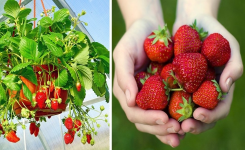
228,134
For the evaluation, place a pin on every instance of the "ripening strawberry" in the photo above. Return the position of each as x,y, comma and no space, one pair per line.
152,94
12,137
36,131
32,127
40,99
208,95
67,138
187,39
1,129
78,124
190,70
140,79
68,123
54,104
158,45
167,77
216,49
154,68
78,86
88,138
180,106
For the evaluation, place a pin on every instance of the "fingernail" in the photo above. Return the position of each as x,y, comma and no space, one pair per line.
201,118
160,122
228,83
169,143
171,130
127,93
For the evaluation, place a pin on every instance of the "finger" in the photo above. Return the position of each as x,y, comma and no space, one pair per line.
138,115
172,126
170,139
194,126
219,112
124,68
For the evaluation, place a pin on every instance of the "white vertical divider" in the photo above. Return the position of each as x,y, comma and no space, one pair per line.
61,129
24,132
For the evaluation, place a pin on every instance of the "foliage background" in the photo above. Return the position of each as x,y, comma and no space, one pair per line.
229,133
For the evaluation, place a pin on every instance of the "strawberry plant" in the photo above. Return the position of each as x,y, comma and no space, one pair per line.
47,68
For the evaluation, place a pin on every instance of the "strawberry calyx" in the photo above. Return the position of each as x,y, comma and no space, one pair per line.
176,81
201,33
161,34
186,109
218,89
142,81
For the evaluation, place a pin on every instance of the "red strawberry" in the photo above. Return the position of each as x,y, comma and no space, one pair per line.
32,127
152,95
168,78
216,49
45,90
78,86
190,69
68,123
11,137
88,138
36,131
67,138
72,132
210,74
54,104
57,92
208,95
78,124
180,105
37,118
187,39
154,68
141,78
158,45
40,99
1,129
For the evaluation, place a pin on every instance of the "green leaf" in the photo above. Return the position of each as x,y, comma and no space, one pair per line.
9,16
99,79
100,49
79,96
82,56
81,36
104,58
61,15
20,66
27,92
57,38
3,96
62,78
55,50
72,72
11,81
107,94
28,73
12,8
87,76
28,48
99,91
46,22
24,13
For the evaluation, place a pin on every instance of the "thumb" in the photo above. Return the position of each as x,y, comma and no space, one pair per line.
232,71
124,70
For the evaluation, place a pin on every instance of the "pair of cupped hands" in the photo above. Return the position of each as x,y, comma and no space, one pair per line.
130,58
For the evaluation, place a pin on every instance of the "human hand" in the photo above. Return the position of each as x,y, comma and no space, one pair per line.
130,58
205,119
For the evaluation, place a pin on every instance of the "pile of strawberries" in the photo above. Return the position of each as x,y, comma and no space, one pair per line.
181,74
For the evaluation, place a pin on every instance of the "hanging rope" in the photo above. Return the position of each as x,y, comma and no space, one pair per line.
19,2
45,12
34,13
